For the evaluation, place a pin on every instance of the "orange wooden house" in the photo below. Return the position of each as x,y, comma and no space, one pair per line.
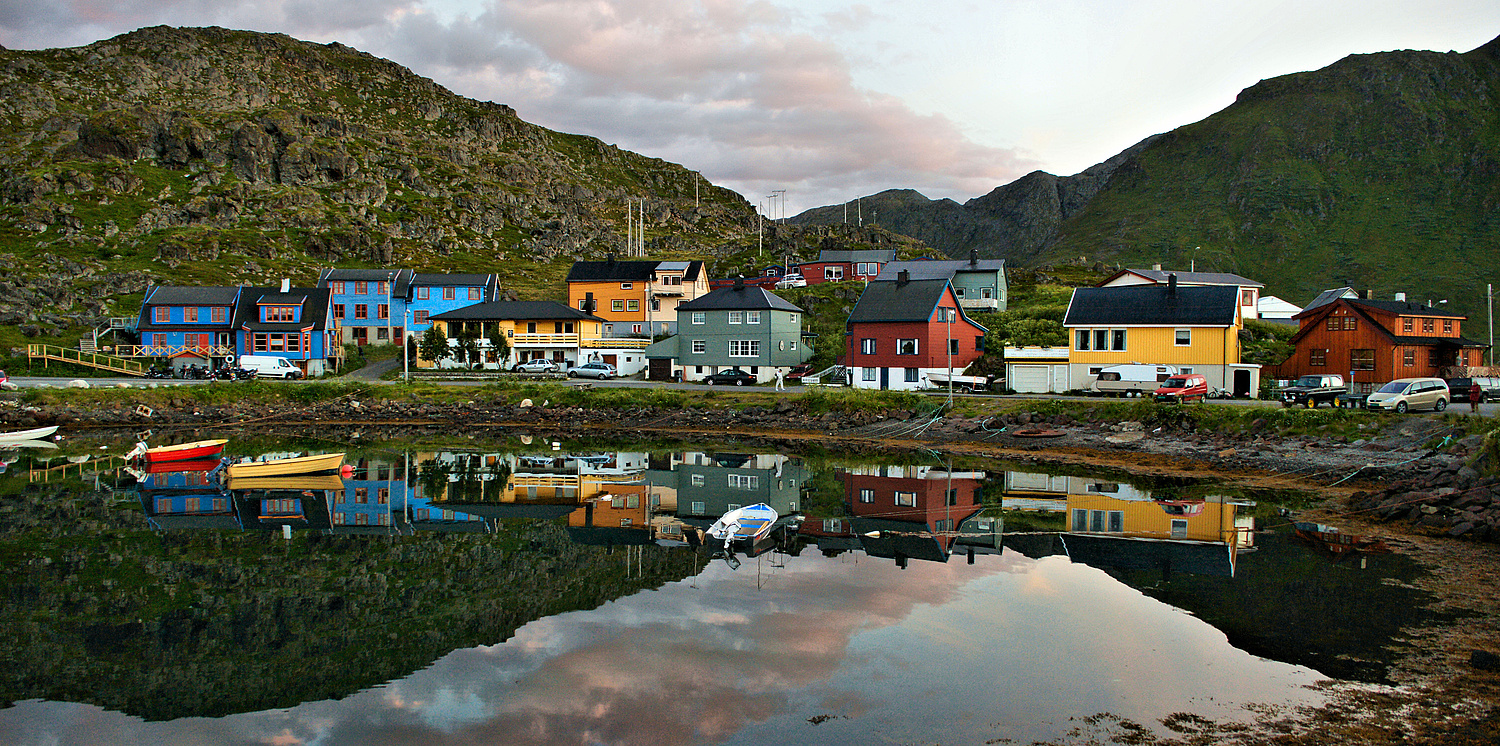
1372,342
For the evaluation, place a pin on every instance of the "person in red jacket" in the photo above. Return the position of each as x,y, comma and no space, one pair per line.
1476,395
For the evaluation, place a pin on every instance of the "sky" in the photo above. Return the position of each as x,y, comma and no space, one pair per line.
825,101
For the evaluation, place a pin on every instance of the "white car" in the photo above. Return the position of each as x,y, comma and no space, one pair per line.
792,281
597,370
536,365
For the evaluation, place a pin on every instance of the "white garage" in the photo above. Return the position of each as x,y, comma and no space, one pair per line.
1037,370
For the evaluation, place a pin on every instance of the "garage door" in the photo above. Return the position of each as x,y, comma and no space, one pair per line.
1029,379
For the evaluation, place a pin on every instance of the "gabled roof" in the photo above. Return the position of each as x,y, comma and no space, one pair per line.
1405,308
1311,320
856,255
176,295
508,310
1329,296
943,269
739,298
314,302
400,279
915,300
1153,305
1186,278
638,271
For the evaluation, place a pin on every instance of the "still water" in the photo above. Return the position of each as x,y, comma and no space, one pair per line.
530,594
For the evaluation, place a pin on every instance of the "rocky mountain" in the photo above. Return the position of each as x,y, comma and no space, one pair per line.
1381,171
218,156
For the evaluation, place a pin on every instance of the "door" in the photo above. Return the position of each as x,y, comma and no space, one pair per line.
1242,383
660,369
1029,379
885,378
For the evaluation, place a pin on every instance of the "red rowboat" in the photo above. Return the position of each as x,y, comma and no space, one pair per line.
201,449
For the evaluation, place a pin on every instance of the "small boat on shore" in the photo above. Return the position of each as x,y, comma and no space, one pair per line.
750,523
35,433
324,463
194,451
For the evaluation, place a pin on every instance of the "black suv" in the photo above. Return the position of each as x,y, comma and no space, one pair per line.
1489,388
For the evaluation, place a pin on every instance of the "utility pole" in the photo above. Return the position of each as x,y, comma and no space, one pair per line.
1489,299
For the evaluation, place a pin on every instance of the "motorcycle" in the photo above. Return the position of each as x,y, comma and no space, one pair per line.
159,372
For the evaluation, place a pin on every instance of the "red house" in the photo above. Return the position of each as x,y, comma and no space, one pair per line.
1376,341
858,264
910,511
901,332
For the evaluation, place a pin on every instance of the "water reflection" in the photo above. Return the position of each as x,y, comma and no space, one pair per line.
459,595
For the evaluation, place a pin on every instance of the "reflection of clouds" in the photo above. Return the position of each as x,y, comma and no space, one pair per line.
717,659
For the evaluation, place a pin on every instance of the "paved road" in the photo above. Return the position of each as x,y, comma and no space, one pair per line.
373,372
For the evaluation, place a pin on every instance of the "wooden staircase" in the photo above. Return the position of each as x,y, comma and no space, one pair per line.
47,353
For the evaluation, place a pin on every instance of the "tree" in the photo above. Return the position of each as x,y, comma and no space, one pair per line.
467,350
499,344
434,345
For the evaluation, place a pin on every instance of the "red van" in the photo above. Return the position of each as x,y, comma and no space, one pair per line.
1181,388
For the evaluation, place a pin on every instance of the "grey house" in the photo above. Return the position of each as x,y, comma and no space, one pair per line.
978,283
741,327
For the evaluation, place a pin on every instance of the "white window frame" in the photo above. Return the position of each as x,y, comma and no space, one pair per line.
867,346
1177,338
698,507
833,273
914,344
700,346
627,286
752,317
906,499
744,481
866,495
700,317
744,348
697,482
736,317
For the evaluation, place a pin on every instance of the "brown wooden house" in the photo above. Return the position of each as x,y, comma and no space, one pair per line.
1372,342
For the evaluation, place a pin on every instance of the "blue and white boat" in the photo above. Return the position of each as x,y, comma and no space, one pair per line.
750,523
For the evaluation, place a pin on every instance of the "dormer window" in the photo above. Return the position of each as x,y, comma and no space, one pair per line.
281,313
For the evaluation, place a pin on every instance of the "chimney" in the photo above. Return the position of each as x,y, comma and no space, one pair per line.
611,257
588,302
974,258
1369,294
1156,267
1171,285
903,277
286,284
1401,296
739,283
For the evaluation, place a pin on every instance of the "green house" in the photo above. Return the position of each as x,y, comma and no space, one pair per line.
979,284
742,327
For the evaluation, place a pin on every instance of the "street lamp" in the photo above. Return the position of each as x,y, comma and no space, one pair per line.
405,355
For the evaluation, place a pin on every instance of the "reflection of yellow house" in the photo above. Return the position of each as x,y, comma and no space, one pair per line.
1208,520
619,505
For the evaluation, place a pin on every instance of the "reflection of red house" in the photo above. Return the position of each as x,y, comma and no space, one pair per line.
929,498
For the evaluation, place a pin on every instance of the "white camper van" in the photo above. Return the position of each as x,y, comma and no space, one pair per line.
270,366
1131,379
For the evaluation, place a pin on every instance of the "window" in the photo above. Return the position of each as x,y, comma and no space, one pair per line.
475,293
219,314
1117,341
383,311
906,347
1081,340
382,332
1361,360
361,311
958,292
736,317
744,348
952,347
419,317
699,347
1101,339
793,344
867,374
744,481
635,329
190,314
671,279
906,499
361,288
833,273
912,375
450,293
1434,358
281,313
627,286
632,305
161,315
867,346
752,317
1409,357
698,508
1408,325
866,496
423,293
617,305
1179,528
1183,338
1317,358
338,310
656,304
1447,326
1351,323
383,287
697,482
337,288
1426,326
986,293
1247,297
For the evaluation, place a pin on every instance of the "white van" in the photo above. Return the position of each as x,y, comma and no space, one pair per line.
270,366
1131,379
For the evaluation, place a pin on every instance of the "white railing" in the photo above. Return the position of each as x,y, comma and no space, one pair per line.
630,343
174,350
564,340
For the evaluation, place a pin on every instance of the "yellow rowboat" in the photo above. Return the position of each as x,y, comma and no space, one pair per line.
322,463
292,482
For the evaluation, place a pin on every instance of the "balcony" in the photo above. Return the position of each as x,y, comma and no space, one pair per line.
985,304
626,343
205,351
544,340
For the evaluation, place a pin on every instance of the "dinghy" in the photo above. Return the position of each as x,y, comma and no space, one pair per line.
750,523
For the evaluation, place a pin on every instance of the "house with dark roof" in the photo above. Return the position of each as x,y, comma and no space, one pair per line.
1194,328
978,283
910,512
188,325
369,304
294,323
903,331
846,264
636,299
533,329
1249,290
1371,342
431,294
744,327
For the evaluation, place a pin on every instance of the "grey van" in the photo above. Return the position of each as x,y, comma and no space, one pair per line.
1405,394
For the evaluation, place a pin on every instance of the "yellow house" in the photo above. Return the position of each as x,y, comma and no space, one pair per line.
636,298
1192,328
533,329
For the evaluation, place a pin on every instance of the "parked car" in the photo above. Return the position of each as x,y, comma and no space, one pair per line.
1181,388
796,373
593,369
1404,394
4,378
1489,388
1311,390
793,280
536,365
270,366
733,376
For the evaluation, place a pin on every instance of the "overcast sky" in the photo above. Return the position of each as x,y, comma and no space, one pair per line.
827,100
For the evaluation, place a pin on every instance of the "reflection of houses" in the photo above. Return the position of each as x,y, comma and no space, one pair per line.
185,500
708,485
1025,490
373,499
912,512
287,505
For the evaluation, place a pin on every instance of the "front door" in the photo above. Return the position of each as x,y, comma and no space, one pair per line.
1242,383
885,378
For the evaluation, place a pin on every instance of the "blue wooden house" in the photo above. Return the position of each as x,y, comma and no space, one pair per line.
294,323
431,294
369,304
188,325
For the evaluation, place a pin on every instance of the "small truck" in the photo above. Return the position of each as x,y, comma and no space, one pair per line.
1311,390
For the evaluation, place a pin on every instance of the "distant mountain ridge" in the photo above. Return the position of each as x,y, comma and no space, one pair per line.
1381,171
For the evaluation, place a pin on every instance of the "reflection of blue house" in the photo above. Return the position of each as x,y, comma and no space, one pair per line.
293,323
424,516
431,294
185,500
187,322
373,500
369,304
